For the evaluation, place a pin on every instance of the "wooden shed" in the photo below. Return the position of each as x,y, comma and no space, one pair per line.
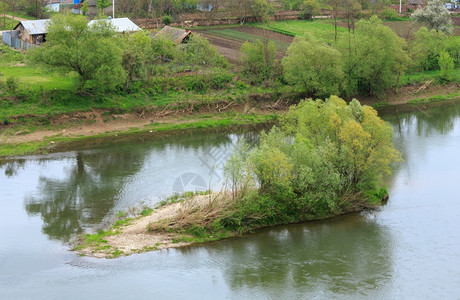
33,31
176,35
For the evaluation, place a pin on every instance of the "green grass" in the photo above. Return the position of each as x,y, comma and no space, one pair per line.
424,76
9,23
35,78
20,15
321,29
13,64
436,98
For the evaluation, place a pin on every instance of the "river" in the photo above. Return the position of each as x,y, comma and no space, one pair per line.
408,249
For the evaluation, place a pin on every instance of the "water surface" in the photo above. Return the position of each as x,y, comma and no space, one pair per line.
408,249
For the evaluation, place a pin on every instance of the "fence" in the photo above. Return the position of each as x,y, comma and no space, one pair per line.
12,39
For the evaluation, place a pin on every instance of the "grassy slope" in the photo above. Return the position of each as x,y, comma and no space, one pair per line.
9,24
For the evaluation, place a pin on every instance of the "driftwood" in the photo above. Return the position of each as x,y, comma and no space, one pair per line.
423,86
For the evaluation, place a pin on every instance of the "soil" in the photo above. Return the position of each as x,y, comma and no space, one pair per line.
230,49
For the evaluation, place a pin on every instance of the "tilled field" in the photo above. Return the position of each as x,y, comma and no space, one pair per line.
229,40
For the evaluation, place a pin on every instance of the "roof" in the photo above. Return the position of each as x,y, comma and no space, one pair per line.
120,24
34,27
176,35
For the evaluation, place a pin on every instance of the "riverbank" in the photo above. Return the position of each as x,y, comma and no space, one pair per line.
98,123
23,138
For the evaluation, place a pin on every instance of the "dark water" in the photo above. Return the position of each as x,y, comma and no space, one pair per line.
410,249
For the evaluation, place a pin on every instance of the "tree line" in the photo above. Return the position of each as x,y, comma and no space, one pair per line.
367,61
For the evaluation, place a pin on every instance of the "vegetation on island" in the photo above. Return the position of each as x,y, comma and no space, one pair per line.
327,158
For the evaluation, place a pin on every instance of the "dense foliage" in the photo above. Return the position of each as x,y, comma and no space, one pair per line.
327,158
374,58
305,66
259,61
90,51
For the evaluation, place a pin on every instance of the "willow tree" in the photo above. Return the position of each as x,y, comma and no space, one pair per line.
313,67
92,52
374,57
328,157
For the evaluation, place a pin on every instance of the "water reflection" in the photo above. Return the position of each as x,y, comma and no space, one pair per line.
425,120
335,257
94,182
85,195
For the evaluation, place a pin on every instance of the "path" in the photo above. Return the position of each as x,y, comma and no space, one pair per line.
14,18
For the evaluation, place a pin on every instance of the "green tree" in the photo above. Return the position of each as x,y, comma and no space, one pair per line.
446,64
200,53
84,8
240,8
427,46
359,143
436,15
258,60
101,4
260,9
374,57
92,52
309,8
3,10
136,47
313,67
351,10
328,157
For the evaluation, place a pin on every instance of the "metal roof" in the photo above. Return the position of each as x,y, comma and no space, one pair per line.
34,27
176,35
120,24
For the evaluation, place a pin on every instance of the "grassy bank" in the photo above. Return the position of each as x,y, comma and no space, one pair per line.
58,142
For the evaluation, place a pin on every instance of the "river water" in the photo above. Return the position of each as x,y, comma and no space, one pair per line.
408,249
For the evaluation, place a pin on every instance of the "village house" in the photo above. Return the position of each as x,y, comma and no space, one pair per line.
29,34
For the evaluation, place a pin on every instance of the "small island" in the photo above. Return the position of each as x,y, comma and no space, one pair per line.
325,159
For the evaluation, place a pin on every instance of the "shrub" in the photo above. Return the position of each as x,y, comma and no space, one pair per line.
446,64
11,85
388,14
166,20
258,60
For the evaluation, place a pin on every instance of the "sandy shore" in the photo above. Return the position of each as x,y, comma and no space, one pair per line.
135,238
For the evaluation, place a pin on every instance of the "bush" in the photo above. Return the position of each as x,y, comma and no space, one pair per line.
258,60
446,64
166,20
11,85
388,14
306,68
